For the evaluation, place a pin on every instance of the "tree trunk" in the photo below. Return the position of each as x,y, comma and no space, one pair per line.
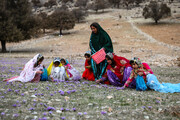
60,31
44,30
156,21
3,44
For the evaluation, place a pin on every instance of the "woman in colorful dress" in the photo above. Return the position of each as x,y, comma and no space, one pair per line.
88,73
114,71
71,71
150,80
31,72
99,39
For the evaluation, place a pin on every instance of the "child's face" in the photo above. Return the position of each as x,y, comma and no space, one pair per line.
109,61
56,64
87,58
62,62
134,65
39,62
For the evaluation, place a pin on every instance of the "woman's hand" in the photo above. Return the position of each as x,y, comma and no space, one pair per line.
39,72
140,73
123,62
98,81
112,70
52,79
88,67
65,67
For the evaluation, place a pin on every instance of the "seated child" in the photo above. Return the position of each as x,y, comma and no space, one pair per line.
57,71
88,73
71,71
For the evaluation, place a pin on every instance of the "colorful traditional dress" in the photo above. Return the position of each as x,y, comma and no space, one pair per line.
58,73
97,41
88,73
29,72
72,72
144,67
115,74
151,81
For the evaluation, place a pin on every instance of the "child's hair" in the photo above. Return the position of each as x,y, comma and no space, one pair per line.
113,62
88,55
63,60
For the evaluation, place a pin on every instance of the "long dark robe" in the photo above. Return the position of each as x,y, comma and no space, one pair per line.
97,41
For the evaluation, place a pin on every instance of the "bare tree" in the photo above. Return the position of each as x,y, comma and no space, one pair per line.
115,3
156,11
79,14
98,5
50,3
81,3
62,20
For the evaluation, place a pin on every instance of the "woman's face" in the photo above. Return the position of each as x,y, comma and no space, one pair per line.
134,65
94,30
109,61
39,62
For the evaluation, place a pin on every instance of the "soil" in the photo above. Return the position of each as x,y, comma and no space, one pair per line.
131,35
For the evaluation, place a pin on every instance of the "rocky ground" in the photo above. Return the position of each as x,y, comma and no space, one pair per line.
131,35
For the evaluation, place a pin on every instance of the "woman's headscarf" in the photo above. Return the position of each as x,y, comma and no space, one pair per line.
110,55
100,40
136,60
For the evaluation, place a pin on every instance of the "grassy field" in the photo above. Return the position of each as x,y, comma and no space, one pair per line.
83,100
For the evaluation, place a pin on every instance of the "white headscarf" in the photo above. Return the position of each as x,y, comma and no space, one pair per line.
29,70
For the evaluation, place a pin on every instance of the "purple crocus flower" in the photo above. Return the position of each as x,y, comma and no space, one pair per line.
34,104
50,112
44,114
62,109
103,112
50,108
74,109
31,109
14,105
67,109
15,115
51,94
62,92
9,90
85,113
63,118
22,94
19,105
79,113
2,113
24,101
157,101
149,107
143,107
69,92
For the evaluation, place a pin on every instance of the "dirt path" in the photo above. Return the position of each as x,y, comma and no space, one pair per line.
128,41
